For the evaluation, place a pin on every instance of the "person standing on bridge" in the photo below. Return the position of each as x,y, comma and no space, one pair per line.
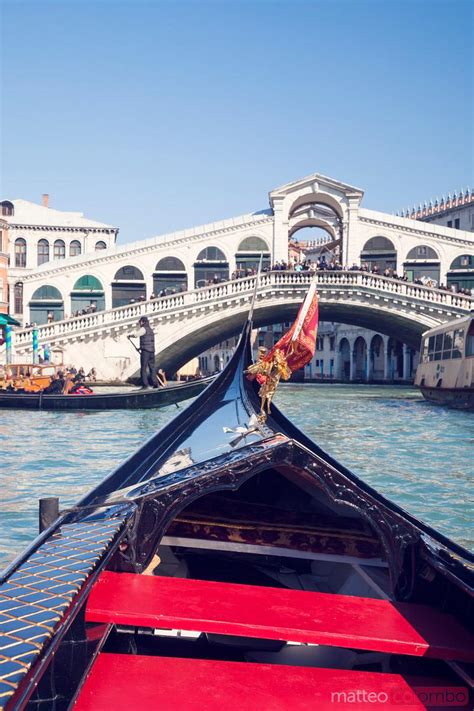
147,354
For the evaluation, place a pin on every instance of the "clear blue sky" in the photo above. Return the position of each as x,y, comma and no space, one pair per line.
155,116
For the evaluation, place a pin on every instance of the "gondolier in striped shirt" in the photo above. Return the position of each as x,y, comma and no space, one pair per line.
147,354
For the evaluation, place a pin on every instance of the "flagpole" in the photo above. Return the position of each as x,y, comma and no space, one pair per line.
254,295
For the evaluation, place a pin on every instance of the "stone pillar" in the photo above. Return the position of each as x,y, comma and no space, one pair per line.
386,362
351,250
352,364
280,231
369,364
406,362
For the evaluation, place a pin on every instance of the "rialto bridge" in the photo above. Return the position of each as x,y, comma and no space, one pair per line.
187,323
46,281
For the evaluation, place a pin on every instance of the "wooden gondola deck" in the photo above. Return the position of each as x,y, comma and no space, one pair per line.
273,613
172,684
262,613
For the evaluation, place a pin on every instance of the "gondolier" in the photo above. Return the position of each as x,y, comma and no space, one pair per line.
147,354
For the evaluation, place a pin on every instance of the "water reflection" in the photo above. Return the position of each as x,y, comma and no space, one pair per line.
419,455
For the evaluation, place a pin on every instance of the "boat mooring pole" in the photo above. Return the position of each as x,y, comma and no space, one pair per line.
8,344
35,346
48,512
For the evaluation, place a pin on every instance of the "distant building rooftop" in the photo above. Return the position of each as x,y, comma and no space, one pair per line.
23,213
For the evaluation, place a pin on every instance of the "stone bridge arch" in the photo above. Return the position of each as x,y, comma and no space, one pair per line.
201,334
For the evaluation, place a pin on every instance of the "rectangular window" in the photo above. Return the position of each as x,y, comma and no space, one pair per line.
457,223
447,345
458,343
332,340
438,346
425,350
450,223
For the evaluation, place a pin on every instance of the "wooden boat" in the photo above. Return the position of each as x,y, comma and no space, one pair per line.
445,373
231,563
130,399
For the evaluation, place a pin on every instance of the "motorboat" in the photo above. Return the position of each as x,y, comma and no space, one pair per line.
232,563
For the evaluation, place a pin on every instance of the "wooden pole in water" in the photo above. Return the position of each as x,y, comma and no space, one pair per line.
48,512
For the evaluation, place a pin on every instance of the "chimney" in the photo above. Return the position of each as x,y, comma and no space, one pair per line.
45,200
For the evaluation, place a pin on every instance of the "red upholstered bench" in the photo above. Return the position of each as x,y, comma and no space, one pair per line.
274,613
119,681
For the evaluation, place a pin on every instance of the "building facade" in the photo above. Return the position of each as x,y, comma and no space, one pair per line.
37,235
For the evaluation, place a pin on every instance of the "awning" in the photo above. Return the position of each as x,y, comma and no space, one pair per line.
6,319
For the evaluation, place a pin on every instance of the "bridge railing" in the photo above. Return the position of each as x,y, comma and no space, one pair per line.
103,320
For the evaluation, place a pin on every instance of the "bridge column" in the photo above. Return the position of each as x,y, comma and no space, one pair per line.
386,361
369,364
352,364
337,375
406,362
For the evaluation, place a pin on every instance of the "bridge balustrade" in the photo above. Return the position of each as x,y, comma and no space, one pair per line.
216,292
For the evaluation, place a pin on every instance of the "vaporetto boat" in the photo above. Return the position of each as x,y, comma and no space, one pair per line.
445,374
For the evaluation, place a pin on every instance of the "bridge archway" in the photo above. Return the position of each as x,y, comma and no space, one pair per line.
345,359
422,262
377,358
360,358
249,252
211,265
87,293
170,276
128,286
461,273
379,253
46,305
315,199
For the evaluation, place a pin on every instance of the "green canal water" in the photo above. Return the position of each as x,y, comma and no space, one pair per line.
419,455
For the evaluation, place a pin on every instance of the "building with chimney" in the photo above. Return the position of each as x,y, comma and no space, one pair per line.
39,234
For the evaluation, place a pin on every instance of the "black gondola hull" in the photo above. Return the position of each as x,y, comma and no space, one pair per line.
129,400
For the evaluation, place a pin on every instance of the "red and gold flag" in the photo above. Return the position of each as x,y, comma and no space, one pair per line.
299,343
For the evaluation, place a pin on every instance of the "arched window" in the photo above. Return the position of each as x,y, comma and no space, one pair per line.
88,283
379,253
100,245
128,286
75,248
169,277
210,267
128,274
248,255
43,251
170,264
18,295
8,209
461,273
422,251
211,254
87,295
381,244
465,261
46,305
20,252
422,262
59,249
253,244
